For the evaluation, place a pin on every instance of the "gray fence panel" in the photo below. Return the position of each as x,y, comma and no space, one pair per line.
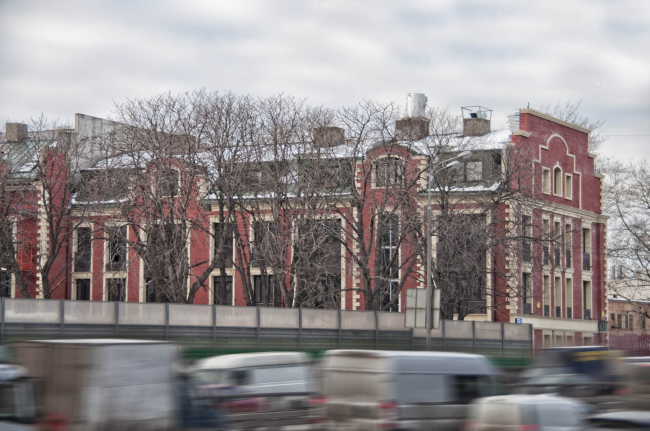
249,328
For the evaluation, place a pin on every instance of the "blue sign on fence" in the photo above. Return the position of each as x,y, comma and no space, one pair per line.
518,320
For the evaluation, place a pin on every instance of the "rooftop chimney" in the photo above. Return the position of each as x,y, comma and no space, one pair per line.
414,126
15,132
328,136
476,120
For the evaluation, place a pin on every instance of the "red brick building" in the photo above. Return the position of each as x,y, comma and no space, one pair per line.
554,278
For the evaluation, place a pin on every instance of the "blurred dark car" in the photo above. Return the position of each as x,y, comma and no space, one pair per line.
621,420
568,385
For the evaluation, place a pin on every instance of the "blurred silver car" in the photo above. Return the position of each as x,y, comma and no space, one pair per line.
526,412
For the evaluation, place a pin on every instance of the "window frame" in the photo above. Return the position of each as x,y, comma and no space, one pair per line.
75,289
229,279
546,181
116,277
158,190
557,295
568,294
394,250
107,247
467,170
568,187
213,241
399,173
558,184
75,248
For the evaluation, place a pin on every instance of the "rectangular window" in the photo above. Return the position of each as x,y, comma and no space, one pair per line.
546,241
587,300
557,181
546,295
83,250
83,289
527,292
222,294
568,245
388,172
568,186
166,181
558,296
527,240
5,284
264,238
568,286
263,289
157,289
388,243
630,320
586,249
643,322
546,180
317,247
116,250
224,240
557,244
619,321
474,171
116,289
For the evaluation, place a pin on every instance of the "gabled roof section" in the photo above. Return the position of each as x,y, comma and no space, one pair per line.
22,157
555,120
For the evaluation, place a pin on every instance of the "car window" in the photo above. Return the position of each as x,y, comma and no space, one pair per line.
558,415
239,377
422,388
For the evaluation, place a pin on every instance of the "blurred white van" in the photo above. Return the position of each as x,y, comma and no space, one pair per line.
257,373
380,390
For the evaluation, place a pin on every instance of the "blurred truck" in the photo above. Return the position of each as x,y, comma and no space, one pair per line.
101,384
579,371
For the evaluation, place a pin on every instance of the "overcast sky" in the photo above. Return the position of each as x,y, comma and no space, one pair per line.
62,57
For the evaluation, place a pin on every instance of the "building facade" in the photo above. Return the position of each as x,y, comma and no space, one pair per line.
537,257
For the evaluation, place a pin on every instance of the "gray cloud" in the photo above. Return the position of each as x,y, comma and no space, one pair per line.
65,57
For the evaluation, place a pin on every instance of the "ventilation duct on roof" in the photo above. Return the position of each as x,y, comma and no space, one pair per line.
326,137
415,126
15,132
476,120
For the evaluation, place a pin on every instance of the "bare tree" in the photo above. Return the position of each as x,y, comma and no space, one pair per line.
627,198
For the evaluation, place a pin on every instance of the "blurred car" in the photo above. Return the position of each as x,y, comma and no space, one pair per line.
526,412
636,389
619,420
568,385
383,390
